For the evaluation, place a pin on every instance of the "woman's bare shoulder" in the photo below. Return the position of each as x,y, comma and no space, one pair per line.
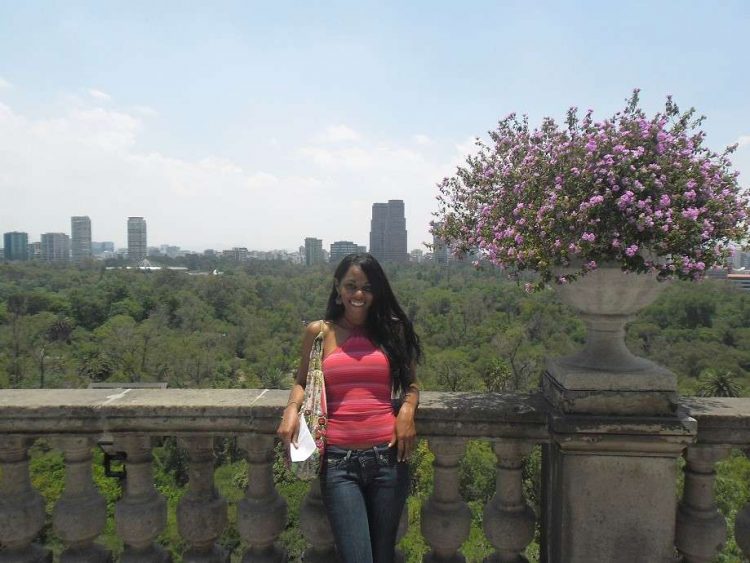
313,329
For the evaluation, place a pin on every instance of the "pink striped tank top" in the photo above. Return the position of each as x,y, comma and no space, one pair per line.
358,393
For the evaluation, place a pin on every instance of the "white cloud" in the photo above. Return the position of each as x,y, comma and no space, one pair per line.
352,157
466,147
99,95
423,140
743,141
4,84
87,160
357,176
145,111
337,134
262,180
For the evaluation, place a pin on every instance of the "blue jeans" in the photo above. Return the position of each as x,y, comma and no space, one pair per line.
364,492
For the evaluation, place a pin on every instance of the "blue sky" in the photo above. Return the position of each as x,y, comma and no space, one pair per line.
260,123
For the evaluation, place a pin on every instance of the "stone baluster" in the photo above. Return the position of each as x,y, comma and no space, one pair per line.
701,528
742,526
446,518
261,515
202,512
316,528
508,520
21,507
80,514
141,513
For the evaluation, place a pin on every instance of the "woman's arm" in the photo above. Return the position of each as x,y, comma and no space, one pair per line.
405,431
289,427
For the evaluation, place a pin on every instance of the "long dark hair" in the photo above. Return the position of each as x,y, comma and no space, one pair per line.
387,325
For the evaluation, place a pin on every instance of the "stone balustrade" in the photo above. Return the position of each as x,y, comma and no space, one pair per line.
723,424
73,420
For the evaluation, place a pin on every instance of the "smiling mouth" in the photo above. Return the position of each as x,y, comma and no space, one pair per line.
357,303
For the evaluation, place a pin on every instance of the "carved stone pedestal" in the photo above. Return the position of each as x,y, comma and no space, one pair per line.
604,377
576,389
610,487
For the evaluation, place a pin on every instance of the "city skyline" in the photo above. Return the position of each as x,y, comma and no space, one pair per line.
257,124
136,227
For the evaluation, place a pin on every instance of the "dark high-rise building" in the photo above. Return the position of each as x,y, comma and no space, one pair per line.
55,248
313,251
16,246
80,234
342,248
388,232
137,247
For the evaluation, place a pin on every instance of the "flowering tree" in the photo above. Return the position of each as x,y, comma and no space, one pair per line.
625,190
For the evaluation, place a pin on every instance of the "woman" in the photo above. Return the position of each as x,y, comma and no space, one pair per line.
370,352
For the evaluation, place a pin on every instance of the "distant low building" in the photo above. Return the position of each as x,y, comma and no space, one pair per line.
740,280
342,248
439,250
170,250
265,255
35,250
238,254
100,248
416,256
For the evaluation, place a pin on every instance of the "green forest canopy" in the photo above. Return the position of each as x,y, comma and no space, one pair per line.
67,327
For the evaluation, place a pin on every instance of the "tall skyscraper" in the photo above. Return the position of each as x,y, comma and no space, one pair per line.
55,248
80,234
341,248
16,246
313,251
137,247
388,232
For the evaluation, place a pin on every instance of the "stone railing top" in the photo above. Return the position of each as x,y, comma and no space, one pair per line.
174,411
720,420
226,411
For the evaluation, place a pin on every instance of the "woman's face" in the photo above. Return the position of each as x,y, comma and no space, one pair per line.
356,294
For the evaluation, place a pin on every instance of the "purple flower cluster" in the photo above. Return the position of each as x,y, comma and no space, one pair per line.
617,190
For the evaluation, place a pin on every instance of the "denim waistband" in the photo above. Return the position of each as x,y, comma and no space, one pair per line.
336,450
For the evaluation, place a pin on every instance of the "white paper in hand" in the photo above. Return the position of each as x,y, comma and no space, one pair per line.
305,443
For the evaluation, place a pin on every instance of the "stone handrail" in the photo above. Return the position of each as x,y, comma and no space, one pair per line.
73,420
229,411
723,424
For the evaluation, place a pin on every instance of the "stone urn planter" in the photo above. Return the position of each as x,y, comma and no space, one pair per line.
605,377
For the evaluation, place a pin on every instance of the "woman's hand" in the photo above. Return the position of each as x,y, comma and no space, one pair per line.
404,432
288,430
